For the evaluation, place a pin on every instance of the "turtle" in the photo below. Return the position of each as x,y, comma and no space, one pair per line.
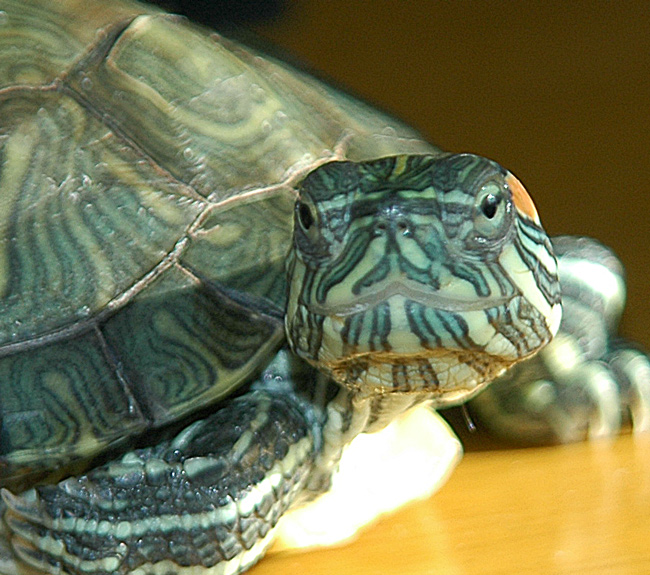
216,272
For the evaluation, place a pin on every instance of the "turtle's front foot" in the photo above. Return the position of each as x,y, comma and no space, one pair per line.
206,501
559,396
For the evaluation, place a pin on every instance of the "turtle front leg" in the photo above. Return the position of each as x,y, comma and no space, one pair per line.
209,497
560,397
585,383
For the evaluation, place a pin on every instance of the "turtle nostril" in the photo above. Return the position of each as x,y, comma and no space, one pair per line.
401,227
380,228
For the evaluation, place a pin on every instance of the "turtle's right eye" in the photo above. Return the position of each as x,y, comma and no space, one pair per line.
308,237
305,216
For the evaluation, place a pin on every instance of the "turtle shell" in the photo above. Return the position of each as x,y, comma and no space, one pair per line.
147,184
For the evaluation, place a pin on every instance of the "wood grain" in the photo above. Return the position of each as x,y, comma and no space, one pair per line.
576,509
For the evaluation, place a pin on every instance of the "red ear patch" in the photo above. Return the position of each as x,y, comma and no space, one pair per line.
522,200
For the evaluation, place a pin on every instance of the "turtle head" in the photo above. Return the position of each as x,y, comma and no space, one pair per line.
419,274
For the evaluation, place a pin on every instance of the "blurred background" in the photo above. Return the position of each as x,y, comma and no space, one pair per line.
558,92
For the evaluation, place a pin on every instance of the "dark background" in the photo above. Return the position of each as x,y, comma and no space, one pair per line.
558,92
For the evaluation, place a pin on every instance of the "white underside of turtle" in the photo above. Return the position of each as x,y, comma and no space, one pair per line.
380,472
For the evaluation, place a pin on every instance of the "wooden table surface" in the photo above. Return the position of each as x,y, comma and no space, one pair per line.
576,509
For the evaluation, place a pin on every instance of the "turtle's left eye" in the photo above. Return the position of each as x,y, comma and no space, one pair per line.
490,214
490,205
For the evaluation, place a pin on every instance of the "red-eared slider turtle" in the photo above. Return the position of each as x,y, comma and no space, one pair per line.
230,269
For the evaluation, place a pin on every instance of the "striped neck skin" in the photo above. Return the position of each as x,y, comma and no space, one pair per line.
418,274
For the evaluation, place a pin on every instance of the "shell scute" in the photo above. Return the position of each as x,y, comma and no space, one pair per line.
84,217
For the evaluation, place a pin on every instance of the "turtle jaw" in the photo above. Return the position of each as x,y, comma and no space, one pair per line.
446,377
445,348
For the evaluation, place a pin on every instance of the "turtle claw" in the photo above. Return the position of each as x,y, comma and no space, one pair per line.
604,419
33,560
26,506
28,523
632,369
9,565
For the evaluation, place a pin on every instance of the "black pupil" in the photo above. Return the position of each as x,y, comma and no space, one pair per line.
306,219
489,205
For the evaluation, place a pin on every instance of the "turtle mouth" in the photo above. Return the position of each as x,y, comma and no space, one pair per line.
447,376
427,298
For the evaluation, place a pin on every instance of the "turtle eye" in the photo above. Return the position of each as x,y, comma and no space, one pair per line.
308,230
489,205
490,213
305,217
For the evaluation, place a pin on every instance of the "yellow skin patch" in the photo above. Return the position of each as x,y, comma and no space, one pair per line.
449,376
